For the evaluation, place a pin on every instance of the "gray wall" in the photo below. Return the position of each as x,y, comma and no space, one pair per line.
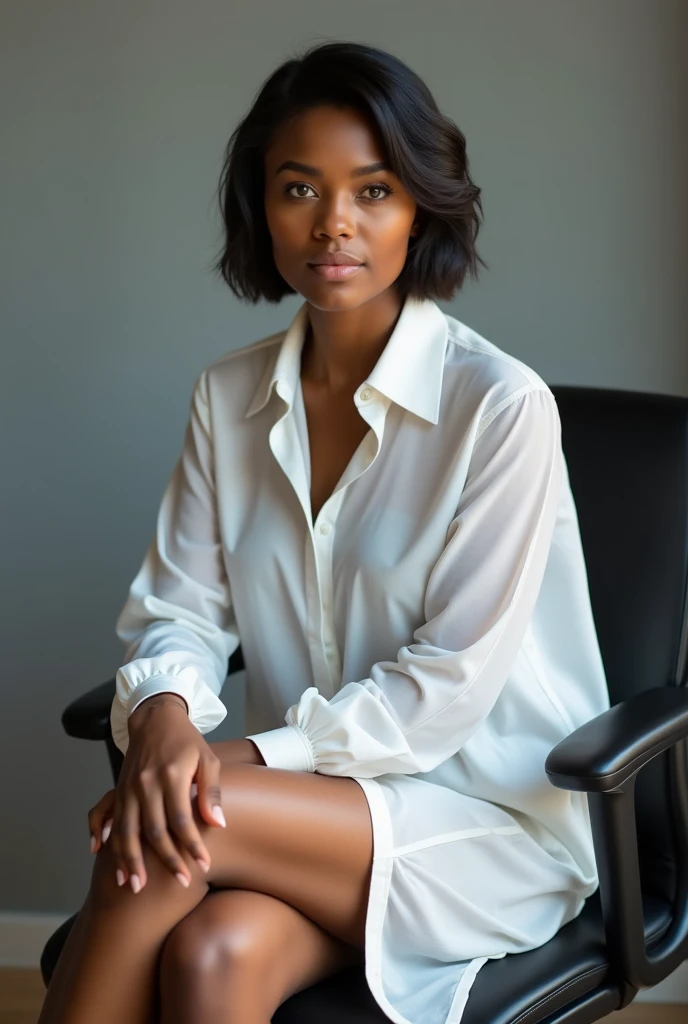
115,117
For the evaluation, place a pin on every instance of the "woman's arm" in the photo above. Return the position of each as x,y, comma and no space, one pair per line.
178,620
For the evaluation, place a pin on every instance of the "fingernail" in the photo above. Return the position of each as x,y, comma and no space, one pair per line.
93,844
106,833
183,879
135,883
120,877
219,816
203,865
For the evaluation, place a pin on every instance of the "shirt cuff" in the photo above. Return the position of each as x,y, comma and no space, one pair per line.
287,747
159,684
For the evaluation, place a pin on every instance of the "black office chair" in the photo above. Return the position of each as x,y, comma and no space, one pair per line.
627,455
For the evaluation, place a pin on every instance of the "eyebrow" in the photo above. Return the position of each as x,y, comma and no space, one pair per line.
358,172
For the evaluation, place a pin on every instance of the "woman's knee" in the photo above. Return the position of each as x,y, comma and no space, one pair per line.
105,893
207,943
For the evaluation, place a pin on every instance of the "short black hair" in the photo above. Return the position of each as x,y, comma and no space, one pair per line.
424,148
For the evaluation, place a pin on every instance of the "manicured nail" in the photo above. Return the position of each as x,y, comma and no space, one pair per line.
135,883
106,832
203,865
120,877
183,879
93,844
219,816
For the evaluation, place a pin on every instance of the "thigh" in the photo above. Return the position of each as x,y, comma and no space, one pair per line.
256,937
303,838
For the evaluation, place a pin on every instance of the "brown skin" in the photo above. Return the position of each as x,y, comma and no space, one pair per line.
351,319
102,814
276,902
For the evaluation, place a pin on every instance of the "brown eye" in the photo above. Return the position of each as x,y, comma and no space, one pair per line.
298,184
385,189
380,187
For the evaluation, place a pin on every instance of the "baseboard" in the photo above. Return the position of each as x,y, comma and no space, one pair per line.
23,936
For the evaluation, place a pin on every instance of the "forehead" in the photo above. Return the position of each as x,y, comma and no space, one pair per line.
326,135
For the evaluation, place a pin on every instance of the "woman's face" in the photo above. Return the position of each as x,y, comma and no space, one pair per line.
322,196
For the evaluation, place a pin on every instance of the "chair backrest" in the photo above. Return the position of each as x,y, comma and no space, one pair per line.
627,457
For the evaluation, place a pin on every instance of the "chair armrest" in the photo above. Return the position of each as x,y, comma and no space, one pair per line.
603,754
602,759
88,717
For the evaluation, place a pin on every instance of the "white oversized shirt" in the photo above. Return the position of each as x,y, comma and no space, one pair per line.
434,620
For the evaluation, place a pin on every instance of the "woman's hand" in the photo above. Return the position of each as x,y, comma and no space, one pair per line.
229,751
166,754
100,820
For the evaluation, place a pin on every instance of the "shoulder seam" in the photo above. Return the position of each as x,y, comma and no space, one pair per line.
504,404
504,356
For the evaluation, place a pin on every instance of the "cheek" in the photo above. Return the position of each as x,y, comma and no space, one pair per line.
390,227
282,223
390,239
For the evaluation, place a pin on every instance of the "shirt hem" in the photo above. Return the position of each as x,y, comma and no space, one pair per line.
381,877
380,881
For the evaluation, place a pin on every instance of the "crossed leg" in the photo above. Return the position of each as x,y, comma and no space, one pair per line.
303,839
239,955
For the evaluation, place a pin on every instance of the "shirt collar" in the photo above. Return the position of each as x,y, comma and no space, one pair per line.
409,370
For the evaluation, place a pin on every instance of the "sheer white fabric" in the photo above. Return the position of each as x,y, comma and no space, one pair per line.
432,626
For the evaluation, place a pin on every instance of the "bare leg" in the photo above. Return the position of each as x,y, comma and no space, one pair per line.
107,969
239,955
304,838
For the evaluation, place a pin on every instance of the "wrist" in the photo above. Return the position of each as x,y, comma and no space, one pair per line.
168,700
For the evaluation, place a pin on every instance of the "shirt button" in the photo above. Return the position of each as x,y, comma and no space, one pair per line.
324,528
366,395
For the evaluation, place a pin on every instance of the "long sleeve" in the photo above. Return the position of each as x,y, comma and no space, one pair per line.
178,620
411,714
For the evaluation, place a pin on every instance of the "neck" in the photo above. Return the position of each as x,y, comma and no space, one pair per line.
341,348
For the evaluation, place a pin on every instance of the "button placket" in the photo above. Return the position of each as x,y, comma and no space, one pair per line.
324,547
323,535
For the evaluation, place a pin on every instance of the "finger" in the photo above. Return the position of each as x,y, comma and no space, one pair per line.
180,820
209,790
99,817
154,827
129,857
99,840
115,840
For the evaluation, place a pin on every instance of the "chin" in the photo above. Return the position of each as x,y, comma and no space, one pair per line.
336,303
340,295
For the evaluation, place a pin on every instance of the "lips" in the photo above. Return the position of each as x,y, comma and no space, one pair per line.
333,272
336,259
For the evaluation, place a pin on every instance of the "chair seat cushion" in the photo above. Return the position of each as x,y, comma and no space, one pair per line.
521,988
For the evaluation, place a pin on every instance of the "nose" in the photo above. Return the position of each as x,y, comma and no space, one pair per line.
334,218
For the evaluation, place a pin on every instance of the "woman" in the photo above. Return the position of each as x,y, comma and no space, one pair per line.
375,503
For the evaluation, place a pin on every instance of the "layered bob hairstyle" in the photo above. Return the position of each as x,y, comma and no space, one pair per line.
424,148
